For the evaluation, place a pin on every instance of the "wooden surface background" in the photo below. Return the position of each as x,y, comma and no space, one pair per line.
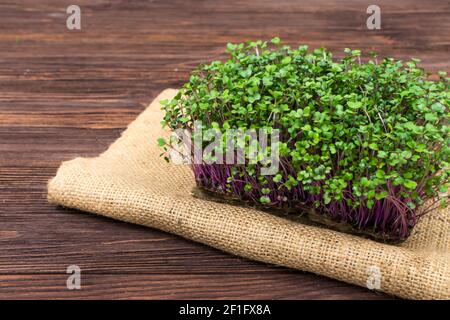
66,93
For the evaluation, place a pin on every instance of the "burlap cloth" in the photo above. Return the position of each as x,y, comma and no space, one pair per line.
130,182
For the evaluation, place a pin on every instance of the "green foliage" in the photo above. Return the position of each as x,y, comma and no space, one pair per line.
371,128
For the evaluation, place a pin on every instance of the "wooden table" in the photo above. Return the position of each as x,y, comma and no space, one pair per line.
66,93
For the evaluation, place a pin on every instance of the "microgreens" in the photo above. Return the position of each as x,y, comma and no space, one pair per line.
362,143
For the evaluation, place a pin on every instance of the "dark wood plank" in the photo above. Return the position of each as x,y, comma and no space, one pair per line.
65,94
283,285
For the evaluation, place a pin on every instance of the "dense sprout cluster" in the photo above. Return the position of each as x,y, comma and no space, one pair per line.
362,143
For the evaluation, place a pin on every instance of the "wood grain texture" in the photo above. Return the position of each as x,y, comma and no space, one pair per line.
65,94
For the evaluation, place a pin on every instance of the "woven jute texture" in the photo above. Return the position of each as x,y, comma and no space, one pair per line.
130,182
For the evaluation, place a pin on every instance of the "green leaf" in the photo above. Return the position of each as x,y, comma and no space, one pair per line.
332,149
382,154
421,147
410,184
267,81
365,182
277,178
411,205
161,142
430,117
231,46
354,104
356,53
381,195
275,40
264,199
286,60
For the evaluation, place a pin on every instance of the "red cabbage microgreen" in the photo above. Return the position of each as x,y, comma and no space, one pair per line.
362,143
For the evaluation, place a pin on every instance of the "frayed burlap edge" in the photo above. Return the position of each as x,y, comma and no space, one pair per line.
130,182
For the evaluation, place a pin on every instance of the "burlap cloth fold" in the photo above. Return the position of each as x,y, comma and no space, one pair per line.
130,182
